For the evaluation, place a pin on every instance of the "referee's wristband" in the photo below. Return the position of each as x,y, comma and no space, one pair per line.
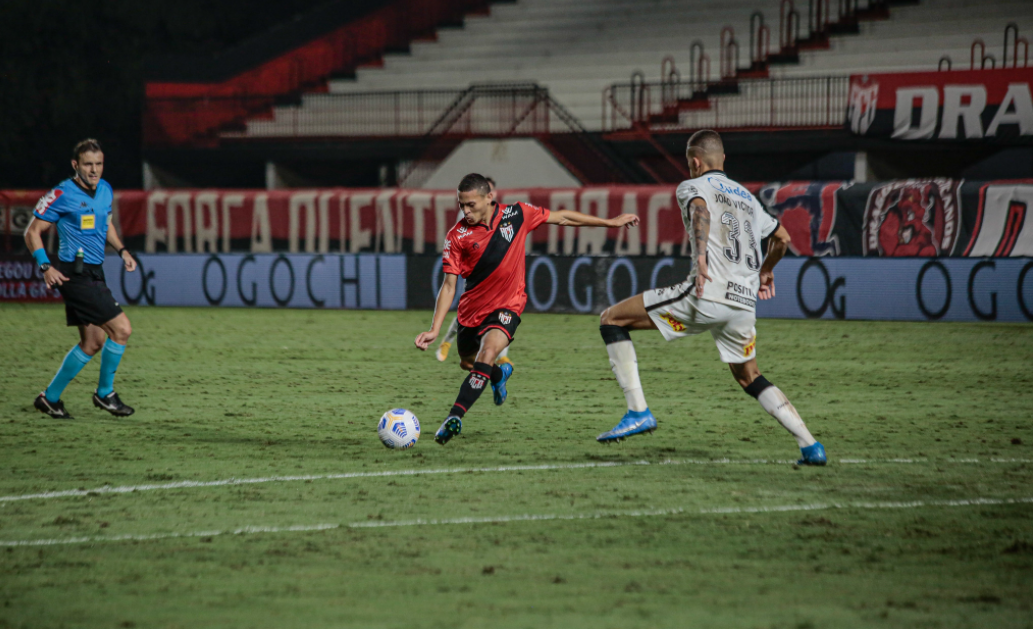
41,256
122,250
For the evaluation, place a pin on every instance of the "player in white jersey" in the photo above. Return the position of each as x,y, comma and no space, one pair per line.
453,329
728,275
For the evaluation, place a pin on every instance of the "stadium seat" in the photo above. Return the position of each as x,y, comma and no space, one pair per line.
577,48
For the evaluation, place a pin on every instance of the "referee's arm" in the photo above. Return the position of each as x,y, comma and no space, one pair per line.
116,244
34,242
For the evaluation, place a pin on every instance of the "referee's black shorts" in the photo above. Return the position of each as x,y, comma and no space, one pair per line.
87,298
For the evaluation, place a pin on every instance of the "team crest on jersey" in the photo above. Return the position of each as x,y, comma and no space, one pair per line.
505,318
47,200
676,325
912,218
507,232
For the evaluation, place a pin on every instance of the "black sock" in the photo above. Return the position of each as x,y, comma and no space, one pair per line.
472,388
614,334
496,374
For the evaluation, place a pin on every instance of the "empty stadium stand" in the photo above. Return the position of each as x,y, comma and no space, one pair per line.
577,49
610,86
916,38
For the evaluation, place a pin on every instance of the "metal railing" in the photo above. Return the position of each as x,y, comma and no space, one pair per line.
730,104
481,110
516,110
205,121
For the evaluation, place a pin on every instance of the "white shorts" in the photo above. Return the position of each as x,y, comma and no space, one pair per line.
677,312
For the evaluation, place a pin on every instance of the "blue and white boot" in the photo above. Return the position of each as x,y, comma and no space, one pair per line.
813,455
633,423
499,390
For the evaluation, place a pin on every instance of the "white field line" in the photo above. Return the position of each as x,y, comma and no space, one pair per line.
190,484
250,530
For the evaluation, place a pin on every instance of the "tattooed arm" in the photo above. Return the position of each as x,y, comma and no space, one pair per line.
700,236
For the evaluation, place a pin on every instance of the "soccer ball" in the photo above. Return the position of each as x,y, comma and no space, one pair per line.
398,429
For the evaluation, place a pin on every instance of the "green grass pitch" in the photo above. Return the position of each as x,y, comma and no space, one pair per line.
921,519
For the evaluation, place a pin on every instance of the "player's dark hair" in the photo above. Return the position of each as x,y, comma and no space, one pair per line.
491,182
707,141
88,145
472,182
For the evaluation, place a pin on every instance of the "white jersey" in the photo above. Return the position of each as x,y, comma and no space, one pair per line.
738,222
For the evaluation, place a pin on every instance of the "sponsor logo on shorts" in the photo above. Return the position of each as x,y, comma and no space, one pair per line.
746,301
752,345
676,325
505,318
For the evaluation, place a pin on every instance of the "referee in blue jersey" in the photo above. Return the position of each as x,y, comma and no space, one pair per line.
81,207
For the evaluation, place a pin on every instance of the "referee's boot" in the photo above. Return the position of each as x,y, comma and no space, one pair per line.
633,423
54,409
112,404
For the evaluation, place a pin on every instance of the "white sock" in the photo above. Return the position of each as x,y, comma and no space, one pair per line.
502,354
624,363
453,330
778,406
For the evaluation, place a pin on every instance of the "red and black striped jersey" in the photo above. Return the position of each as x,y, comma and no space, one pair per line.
491,258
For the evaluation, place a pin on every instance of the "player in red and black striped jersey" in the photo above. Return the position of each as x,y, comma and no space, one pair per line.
487,248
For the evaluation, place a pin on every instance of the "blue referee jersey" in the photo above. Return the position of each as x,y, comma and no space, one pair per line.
82,219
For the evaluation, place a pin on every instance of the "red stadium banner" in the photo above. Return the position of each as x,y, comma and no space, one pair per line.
962,105
904,218
373,220
807,209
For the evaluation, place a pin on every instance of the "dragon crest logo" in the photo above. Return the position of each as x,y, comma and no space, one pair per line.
913,218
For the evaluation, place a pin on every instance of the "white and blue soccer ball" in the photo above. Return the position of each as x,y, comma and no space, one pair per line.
398,429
